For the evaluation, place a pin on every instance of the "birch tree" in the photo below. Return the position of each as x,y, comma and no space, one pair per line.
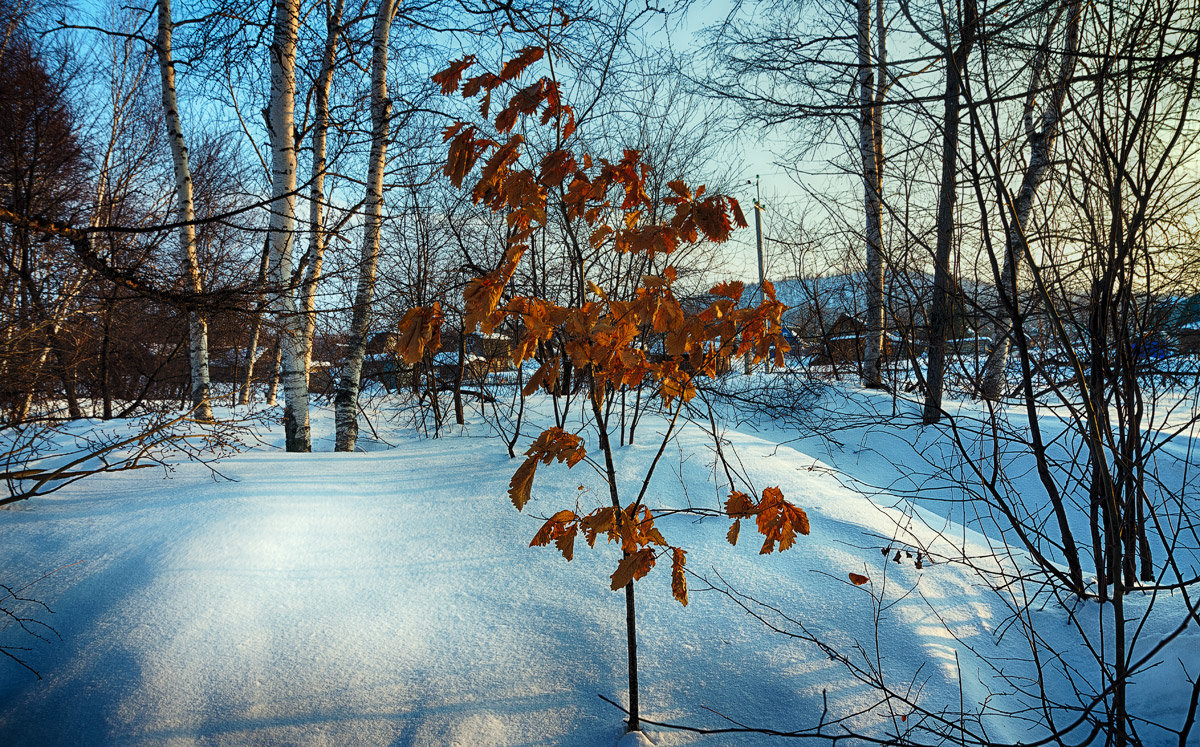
185,207
346,399
870,145
283,138
316,200
1041,132
129,139
251,355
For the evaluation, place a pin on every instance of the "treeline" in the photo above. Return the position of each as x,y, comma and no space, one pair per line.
212,200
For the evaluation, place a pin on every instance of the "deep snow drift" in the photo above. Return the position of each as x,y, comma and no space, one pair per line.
389,597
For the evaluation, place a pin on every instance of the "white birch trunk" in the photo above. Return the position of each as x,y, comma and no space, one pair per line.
1041,152
346,399
281,123
273,377
197,323
870,144
251,354
316,229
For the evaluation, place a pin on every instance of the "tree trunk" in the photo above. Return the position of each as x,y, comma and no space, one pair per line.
631,654
940,315
458,378
316,197
273,377
346,399
66,372
281,122
105,355
51,321
197,323
870,144
32,371
1041,153
255,328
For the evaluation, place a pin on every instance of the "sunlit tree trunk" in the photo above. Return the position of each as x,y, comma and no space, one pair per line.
273,376
870,144
346,399
197,323
281,122
459,417
316,199
1041,152
251,354
105,356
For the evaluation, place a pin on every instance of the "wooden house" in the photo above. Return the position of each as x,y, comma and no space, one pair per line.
1187,339
844,342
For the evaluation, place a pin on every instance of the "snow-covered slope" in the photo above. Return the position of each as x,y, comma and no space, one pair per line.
389,597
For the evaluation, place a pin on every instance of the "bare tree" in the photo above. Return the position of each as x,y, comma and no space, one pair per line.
872,90
1041,130
956,49
815,75
250,358
197,322
317,238
284,142
346,400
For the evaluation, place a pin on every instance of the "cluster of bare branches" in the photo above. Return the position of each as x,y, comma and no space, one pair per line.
1039,240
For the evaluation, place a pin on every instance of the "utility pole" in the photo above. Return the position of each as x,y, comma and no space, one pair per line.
758,208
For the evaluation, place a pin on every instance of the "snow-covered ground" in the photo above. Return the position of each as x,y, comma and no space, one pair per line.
389,597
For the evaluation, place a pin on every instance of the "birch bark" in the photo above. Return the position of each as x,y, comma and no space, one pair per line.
273,376
1041,152
197,322
870,144
281,123
346,399
316,198
250,357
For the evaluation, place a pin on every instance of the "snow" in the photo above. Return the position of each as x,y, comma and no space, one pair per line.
451,358
389,597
